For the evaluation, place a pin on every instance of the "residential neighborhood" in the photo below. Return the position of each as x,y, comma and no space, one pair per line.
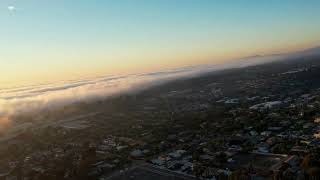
264,124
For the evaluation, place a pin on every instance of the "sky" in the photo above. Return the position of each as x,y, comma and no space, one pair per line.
45,40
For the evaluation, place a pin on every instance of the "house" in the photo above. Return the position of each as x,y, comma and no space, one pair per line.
261,163
299,149
275,128
137,154
263,148
266,133
266,105
158,162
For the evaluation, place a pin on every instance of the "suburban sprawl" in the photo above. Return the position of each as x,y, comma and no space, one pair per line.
257,122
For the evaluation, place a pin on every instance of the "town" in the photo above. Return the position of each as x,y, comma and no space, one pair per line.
258,122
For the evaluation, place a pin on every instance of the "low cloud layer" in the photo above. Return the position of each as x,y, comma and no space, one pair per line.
37,97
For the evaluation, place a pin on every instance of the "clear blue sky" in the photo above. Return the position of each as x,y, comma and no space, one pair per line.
58,39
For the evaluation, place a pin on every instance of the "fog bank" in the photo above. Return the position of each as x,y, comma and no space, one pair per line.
37,97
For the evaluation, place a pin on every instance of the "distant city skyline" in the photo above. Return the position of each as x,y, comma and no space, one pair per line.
46,40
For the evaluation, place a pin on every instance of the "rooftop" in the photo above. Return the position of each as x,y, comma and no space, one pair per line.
146,172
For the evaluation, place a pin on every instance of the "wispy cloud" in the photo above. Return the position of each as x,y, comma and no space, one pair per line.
12,8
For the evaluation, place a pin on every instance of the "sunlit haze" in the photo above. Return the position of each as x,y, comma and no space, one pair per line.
46,40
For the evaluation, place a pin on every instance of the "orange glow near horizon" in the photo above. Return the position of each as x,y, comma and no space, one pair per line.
25,75
88,39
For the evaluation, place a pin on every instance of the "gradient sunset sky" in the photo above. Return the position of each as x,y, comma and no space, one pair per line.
49,40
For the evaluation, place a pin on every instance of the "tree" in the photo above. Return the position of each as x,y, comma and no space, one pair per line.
306,161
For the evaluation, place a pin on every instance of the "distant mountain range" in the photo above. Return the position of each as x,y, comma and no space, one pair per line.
282,56
311,51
